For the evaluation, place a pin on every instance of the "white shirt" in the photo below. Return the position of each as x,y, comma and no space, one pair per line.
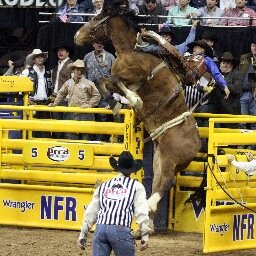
140,205
40,94
248,167
60,66
227,4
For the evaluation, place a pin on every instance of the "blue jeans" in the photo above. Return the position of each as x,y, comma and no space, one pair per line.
111,237
248,107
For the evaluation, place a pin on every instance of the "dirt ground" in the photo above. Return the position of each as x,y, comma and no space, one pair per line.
43,242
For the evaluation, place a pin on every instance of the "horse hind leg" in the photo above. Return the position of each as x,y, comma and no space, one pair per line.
163,179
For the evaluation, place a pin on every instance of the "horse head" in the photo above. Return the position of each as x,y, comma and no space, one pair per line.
95,29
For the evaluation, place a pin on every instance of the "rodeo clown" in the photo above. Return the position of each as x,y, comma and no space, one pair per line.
112,208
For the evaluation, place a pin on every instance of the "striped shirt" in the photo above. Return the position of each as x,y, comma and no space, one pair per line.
115,202
193,96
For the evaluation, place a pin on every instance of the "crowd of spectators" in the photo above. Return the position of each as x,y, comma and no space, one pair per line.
176,12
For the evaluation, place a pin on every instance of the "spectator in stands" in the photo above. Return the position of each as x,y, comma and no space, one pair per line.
41,77
248,167
198,3
72,7
97,6
113,221
247,67
210,38
81,93
183,10
168,4
152,8
135,5
211,10
231,105
240,11
60,74
227,4
99,63
168,35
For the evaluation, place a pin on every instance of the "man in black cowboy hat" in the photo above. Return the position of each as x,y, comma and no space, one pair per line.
234,82
60,74
168,35
113,205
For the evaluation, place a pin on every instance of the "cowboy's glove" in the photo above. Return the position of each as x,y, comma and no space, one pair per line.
230,158
81,242
143,245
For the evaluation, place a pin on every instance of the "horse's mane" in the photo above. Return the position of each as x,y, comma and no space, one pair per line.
120,8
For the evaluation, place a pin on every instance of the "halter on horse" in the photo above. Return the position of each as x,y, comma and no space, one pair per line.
155,93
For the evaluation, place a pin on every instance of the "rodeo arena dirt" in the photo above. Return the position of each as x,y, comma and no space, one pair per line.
48,172
44,242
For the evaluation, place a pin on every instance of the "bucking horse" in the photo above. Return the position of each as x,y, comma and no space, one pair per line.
154,90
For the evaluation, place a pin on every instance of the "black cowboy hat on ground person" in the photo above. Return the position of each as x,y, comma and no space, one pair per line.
202,44
126,163
228,56
64,45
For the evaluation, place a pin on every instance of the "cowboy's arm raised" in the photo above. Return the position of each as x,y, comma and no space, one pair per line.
215,72
182,48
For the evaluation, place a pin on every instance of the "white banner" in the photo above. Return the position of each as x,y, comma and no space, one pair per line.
31,3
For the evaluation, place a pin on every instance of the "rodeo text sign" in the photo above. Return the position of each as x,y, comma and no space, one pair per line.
30,3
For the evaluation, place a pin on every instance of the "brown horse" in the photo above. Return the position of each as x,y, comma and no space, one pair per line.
154,91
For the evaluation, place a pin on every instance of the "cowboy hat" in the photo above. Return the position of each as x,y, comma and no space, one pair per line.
126,163
209,35
77,64
167,31
64,45
32,55
204,45
227,56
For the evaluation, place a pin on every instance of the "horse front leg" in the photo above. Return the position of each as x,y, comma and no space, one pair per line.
130,95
